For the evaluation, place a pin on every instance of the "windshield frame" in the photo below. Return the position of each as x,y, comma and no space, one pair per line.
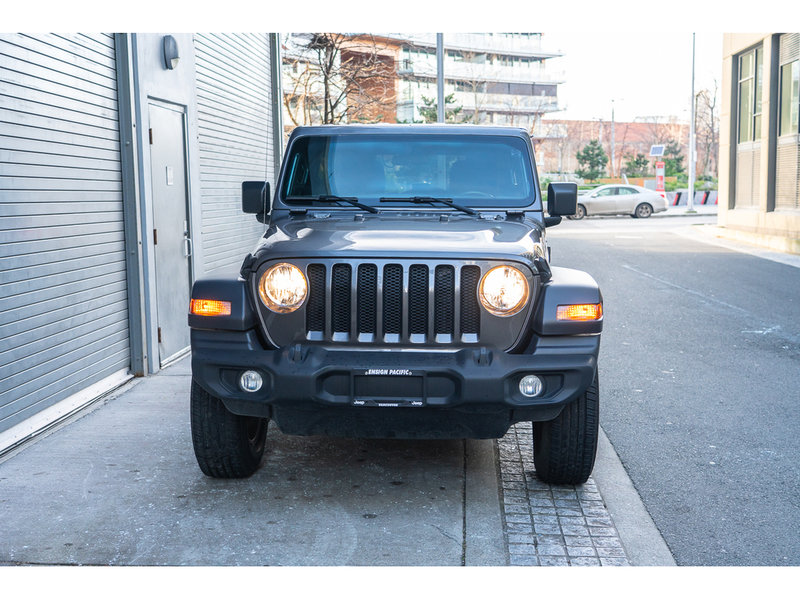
281,203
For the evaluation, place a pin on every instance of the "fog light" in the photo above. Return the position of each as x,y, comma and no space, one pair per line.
530,386
250,381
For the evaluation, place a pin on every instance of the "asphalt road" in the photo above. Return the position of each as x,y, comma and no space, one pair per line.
700,383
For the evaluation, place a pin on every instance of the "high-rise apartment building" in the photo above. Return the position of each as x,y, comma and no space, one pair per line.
496,78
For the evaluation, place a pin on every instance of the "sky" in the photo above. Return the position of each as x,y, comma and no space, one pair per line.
635,52
641,73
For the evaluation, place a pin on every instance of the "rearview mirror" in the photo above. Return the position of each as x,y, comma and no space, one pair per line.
255,198
562,199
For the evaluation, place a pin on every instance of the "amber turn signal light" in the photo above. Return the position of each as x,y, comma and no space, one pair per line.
210,308
579,312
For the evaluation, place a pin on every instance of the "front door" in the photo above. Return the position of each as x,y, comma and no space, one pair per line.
171,228
605,202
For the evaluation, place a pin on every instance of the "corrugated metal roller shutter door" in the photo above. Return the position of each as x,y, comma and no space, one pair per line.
235,139
63,293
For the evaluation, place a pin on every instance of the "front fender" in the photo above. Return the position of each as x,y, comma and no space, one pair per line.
567,286
227,289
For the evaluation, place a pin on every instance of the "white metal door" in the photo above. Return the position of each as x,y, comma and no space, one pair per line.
171,240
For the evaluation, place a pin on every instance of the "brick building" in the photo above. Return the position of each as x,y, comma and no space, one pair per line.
557,142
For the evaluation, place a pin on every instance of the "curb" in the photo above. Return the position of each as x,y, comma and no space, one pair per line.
640,537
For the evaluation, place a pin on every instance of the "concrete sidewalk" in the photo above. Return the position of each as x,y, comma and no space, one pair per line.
120,486
681,211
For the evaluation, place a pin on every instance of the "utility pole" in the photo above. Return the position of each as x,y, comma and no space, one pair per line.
690,200
440,78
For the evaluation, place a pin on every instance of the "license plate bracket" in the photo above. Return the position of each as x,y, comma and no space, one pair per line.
391,388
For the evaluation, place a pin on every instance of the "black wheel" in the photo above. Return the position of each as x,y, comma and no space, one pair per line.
643,211
580,212
564,448
226,445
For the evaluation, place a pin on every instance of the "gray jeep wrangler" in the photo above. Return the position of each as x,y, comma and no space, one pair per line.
402,289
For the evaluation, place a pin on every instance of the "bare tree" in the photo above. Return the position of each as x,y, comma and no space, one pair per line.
621,152
338,78
663,129
473,82
707,127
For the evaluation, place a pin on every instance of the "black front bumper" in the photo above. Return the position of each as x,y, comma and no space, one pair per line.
469,392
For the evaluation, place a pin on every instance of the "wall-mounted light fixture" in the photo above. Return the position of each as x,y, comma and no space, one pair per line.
171,54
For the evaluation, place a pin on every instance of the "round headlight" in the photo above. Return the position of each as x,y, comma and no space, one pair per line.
283,288
503,291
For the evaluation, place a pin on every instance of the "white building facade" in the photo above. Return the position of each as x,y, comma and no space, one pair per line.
496,78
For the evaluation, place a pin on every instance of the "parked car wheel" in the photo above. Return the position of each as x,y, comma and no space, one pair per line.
580,212
226,445
564,449
643,211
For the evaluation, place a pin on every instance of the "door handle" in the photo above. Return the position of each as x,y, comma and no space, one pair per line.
187,241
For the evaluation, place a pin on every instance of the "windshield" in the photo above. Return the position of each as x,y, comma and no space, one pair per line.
472,170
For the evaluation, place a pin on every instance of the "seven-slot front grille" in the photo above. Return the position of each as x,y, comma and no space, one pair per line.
393,303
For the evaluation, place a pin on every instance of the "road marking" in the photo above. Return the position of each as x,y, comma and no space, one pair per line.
765,329
685,289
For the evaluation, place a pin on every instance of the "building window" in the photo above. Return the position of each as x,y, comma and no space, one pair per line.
790,98
748,151
750,83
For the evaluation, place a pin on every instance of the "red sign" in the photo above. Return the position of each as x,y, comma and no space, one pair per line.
659,176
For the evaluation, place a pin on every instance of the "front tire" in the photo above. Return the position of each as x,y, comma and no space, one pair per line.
564,449
226,445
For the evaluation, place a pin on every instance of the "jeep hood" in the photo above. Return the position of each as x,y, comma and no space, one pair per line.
392,235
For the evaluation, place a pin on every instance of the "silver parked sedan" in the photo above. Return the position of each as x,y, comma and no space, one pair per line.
619,199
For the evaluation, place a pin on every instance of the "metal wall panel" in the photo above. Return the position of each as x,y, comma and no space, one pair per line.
787,167
787,176
789,47
748,164
63,291
234,104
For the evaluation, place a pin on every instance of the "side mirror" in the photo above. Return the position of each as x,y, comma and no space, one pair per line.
255,198
562,199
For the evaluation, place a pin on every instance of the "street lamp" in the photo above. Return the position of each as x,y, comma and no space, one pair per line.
440,114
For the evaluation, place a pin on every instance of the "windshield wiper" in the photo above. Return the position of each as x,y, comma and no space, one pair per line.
330,198
431,200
